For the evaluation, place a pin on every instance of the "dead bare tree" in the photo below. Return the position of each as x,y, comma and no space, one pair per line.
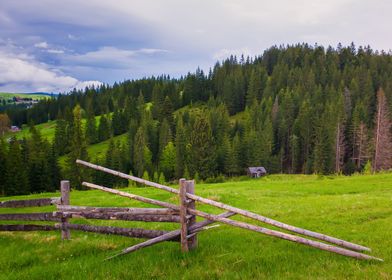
382,135
339,147
361,145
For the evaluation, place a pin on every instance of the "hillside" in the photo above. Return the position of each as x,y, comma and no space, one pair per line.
35,96
355,208
296,109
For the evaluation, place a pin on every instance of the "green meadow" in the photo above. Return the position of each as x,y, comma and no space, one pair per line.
356,208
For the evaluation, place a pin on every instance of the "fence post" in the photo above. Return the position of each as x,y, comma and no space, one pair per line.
183,214
190,188
65,189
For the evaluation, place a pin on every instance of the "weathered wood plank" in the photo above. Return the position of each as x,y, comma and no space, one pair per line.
65,189
192,240
183,216
133,196
135,211
29,202
128,232
239,211
27,228
47,216
170,236
123,216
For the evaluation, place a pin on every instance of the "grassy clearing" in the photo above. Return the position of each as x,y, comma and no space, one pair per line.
356,208
7,95
47,130
98,150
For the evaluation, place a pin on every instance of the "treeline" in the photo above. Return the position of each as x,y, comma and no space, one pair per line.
28,166
294,109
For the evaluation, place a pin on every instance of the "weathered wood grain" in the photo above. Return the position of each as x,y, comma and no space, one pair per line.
65,189
170,236
183,216
192,240
123,216
128,232
47,216
133,196
27,228
29,203
135,211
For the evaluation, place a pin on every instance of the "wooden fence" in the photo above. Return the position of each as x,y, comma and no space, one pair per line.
185,214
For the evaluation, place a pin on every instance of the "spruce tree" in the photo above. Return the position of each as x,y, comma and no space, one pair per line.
16,179
180,148
91,129
203,156
3,165
382,134
104,129
75,173
168,161
61,140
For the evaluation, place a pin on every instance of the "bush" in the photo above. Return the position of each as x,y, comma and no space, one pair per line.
217,179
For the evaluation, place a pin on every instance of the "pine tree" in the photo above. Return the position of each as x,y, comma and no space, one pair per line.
3,165
38,168
104,129
61,142
180,149
91,129
162,179
203,157
165,136
76,174
382,135
16,180
168,161
142,154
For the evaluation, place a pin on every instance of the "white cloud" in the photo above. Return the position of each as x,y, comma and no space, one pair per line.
110,57
41,45
55,51
20,73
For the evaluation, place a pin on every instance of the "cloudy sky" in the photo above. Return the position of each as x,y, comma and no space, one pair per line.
53,46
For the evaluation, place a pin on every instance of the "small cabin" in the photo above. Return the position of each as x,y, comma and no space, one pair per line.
256,172
14,128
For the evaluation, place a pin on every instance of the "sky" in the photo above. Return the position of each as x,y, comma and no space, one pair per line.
54,46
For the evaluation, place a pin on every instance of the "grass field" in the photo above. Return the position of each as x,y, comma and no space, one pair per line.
47,130
97,150
7,95
356,208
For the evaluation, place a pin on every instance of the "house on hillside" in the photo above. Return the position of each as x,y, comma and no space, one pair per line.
14,128
256,172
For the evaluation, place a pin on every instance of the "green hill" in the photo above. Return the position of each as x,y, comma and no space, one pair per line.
356,208
36,96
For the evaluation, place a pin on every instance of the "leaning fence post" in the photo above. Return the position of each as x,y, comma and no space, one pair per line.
190,188
65,189
183,214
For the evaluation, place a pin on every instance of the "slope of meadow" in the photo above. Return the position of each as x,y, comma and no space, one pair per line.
356,208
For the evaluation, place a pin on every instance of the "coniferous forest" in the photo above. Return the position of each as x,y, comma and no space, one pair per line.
293,109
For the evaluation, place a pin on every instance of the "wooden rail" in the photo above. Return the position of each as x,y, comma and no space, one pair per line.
239,211
286,236
29,203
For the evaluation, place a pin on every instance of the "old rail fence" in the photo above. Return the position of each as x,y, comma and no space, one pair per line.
185,214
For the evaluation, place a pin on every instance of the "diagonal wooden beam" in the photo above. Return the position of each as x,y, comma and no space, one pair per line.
239,211
308,242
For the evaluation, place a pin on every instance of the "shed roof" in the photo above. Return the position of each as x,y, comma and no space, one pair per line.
257,169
